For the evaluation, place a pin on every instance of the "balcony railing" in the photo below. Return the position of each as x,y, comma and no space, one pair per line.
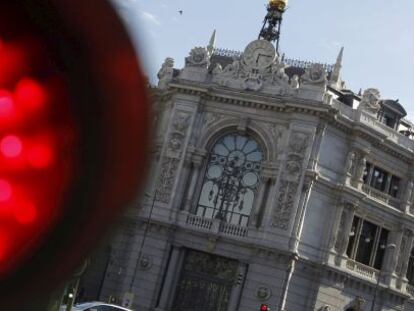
231,229
379,195
362,269
216,225
372,122
199,222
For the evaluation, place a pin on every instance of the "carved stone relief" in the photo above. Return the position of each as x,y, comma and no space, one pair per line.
289,184
165,74
404,252
166,178
315,75
256,71
370,101
178,133
263,292
199,57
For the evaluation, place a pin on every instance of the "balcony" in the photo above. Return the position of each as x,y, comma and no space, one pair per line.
381,196
215,226
362,270
368,120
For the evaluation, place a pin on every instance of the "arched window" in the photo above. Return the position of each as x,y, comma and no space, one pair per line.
410,270
231,180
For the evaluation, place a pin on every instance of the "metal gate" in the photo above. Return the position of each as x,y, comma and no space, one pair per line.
205,283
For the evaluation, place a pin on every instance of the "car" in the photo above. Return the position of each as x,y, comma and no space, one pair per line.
96,306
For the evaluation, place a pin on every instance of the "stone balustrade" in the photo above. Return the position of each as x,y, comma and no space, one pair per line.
362,270
372,122
381,196
223,227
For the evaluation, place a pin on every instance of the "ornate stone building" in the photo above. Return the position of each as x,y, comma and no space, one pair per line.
270,183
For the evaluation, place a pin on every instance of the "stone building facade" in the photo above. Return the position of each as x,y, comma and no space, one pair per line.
270,183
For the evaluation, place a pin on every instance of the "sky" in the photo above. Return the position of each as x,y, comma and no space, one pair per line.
377,35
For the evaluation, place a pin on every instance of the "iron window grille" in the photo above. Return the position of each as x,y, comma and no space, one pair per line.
231,180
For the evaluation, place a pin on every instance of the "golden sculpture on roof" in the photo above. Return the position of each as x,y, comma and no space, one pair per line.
280,5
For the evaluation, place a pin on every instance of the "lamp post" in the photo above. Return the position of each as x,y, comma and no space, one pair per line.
387,247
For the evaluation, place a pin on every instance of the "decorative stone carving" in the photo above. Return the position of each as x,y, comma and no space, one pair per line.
259,68
165,75
284,206
405,249
298,143
145,262
315,75
325,308
179,128
408,192
199,57
370,101
294,82
289,184
166,178
350,164
359,174
263,292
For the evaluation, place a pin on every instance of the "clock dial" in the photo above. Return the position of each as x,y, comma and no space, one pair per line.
259,54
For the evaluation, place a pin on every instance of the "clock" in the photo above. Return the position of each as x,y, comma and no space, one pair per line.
259,54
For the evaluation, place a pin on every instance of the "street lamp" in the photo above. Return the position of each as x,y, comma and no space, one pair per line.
386,247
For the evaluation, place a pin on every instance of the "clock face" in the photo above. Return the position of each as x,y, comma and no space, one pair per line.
259,54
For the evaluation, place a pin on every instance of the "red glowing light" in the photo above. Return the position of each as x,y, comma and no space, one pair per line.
6,104
30,94
40,156
5,190
11,146
25,213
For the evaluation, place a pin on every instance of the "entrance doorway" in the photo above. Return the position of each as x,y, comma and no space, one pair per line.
205,283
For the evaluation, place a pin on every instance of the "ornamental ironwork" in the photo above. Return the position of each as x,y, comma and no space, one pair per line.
206,282
231,180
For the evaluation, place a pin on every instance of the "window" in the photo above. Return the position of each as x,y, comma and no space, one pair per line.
410,270
367,243
231,180
381,180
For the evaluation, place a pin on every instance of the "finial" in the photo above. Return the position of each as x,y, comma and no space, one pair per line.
212,43
271,25
336,71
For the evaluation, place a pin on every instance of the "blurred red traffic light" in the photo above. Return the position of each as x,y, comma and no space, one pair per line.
264,307
73,137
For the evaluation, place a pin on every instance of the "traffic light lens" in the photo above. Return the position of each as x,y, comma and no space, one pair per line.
11,146
37,146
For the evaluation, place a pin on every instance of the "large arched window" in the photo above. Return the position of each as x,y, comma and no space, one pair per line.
231,180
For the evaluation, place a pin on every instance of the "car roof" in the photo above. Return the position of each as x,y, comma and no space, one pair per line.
98,303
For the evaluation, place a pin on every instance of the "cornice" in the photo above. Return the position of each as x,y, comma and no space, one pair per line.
289,104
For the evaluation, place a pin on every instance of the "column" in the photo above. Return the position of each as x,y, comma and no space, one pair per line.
314,156
391,255
302,207
403,257
388,183
196,161
349,167
259,204
362,163
407,197
234,300
344,229
172,273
